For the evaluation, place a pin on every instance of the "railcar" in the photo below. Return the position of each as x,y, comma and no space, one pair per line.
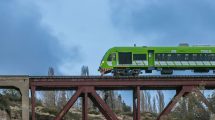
126,61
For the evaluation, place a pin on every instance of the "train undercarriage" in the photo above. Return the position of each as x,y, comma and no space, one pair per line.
163,71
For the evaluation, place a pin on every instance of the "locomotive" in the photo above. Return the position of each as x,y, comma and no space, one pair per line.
131,61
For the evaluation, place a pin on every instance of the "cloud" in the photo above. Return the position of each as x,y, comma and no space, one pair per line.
87,25
167,21
26,45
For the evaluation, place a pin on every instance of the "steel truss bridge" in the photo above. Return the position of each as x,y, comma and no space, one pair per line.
86,88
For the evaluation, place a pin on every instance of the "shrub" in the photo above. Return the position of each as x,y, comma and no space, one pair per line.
4,104
94,112
50,111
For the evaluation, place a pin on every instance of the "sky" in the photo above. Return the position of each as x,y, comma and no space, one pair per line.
67,34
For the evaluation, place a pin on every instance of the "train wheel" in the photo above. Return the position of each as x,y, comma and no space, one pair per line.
115,73
125,72
118,72
135,72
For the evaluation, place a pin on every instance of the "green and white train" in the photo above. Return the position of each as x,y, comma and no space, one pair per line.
124,61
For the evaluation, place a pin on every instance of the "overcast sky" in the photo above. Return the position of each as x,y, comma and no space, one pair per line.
67,34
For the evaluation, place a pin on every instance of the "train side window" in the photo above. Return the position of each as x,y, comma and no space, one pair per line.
169,57
190,57
158,57
195,57
200,57
213,57
112,57
178,57
163,58
205,57
139,57
183,57
186,57
173,58
209,57
125,57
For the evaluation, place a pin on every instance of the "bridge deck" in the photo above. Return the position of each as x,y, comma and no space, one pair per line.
145,82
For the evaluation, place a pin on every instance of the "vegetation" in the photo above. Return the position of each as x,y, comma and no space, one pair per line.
8,98
50,111
190,108
4,104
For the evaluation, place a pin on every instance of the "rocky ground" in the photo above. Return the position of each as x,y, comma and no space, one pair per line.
74,114
14,112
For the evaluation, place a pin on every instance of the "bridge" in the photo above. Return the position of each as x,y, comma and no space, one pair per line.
86,88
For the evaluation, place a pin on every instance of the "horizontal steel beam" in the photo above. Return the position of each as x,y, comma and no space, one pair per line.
151,82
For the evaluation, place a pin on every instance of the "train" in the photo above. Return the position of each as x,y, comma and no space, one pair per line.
132,61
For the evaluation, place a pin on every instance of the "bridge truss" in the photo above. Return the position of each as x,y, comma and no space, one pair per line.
86,88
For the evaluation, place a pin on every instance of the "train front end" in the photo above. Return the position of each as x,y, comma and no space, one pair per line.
107,62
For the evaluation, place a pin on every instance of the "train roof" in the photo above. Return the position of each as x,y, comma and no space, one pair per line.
181,48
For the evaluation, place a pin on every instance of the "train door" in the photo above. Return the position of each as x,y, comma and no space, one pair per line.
151,58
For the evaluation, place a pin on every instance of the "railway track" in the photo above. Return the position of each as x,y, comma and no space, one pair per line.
123,77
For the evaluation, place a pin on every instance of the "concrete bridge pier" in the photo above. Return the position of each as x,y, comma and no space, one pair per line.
21,83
